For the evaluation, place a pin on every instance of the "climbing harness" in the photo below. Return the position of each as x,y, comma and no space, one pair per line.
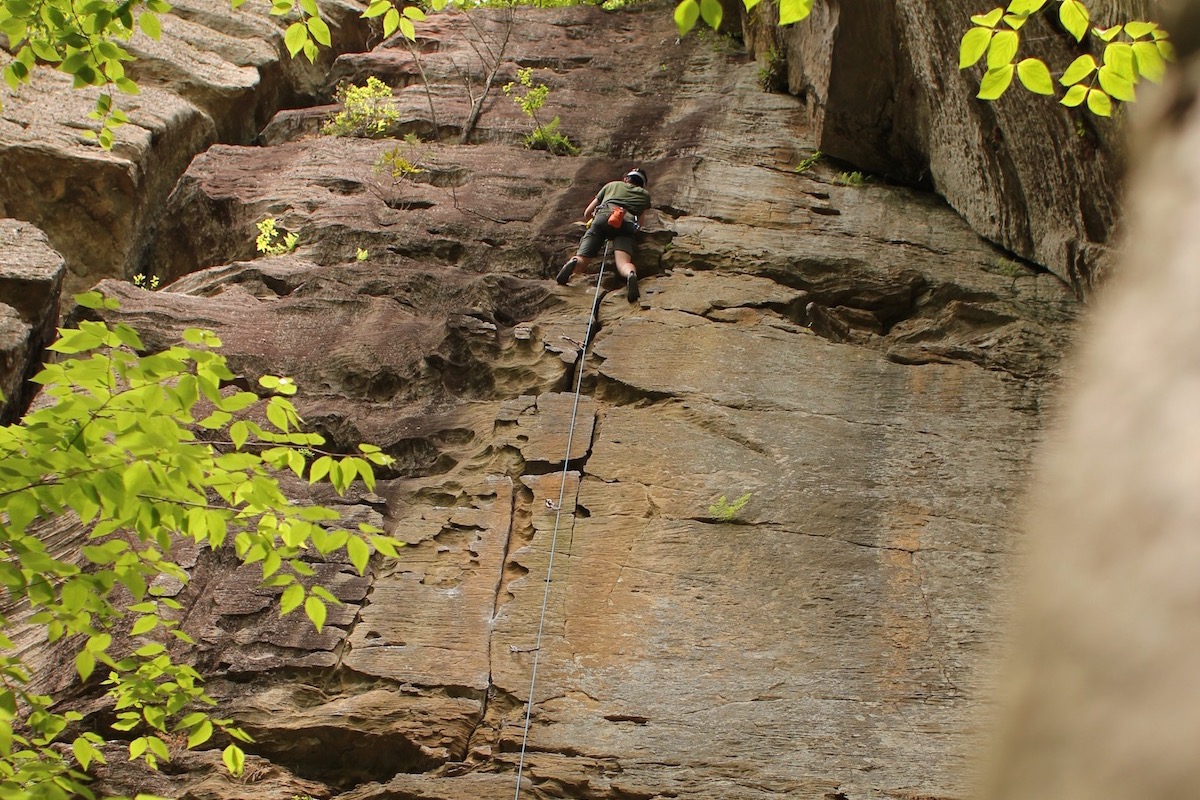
558,509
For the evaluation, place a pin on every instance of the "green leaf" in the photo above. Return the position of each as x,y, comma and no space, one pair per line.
1099,103
375,9
1015,21
137,747
294,37
84,752
309,7
150,25
200,734
359,552
1003,49
974,44
710,12
1025,7
159,748
1116,85
1136,30
1150,64
234,759
238,433
144,624
320,469
995,81
414,13
85,663
1074,17
314,607
794,10
1079,69
1119,57
391,21
1035,75
291,599
319,31
990,19
685,16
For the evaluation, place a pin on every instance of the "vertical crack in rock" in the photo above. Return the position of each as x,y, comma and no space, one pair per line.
487,692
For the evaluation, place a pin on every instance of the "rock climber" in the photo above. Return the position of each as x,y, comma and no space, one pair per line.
629,194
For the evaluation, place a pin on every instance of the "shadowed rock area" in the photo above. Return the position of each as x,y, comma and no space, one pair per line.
855,358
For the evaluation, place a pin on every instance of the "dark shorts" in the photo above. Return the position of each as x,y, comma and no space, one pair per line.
600,231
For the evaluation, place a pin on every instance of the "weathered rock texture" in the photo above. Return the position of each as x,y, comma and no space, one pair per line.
1105,697
31,277
855,358
217,74
880,83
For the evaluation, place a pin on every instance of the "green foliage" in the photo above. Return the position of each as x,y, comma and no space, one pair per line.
688,12
367,111
398,166
400,19
361,255
530,97
117,447
142,282
547,137
809,162
725,511
269,241
850,179
773,71
1132,51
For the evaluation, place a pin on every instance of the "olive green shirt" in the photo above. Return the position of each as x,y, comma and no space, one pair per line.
634,199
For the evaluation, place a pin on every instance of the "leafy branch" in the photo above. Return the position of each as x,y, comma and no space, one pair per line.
1132,51
117,447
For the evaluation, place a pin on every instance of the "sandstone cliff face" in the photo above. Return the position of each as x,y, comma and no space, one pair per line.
882,89
856,359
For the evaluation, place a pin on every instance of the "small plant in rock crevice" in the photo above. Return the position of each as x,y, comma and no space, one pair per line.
272,241
142,282
850,179
808,163
726,511
772,73
396,167
530,97
368,111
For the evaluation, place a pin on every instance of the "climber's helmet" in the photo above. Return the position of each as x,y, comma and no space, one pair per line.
636,176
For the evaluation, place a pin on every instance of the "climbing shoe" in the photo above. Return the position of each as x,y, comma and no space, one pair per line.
631,288
565,273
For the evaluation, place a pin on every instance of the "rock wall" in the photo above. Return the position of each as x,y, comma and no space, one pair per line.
855,358
880,83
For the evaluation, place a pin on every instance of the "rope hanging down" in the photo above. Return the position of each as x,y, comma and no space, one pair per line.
562,489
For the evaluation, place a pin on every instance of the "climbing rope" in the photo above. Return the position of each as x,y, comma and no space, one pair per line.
562,490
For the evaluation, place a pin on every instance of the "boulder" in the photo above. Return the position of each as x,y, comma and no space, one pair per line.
217,74
31,277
